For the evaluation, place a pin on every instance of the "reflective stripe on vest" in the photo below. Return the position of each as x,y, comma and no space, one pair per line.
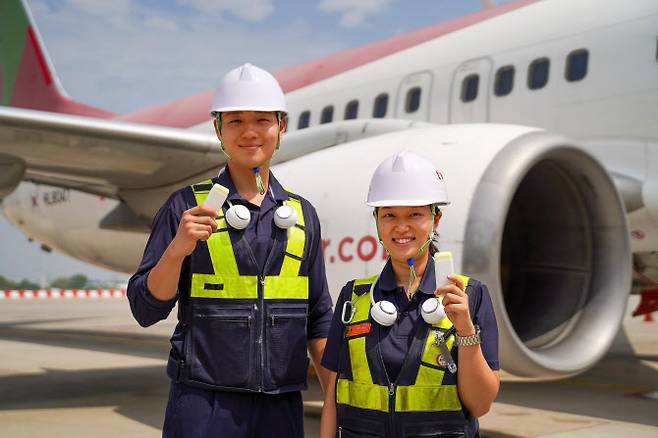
427,394
226,282
357,346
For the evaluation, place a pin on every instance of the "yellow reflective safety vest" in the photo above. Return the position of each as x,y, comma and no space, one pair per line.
246,330
423,401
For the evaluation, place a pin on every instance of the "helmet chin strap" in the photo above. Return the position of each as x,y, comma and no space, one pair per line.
410,260
218,119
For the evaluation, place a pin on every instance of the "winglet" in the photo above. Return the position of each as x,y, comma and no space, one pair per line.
27,77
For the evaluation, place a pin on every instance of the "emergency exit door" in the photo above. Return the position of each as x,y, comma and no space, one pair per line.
414,97
469,94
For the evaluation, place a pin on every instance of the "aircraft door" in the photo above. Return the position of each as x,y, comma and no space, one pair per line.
413,100
469,95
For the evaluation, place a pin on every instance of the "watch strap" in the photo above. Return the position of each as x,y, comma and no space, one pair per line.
465,341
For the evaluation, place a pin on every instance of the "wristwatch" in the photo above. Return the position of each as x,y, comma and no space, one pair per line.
465,341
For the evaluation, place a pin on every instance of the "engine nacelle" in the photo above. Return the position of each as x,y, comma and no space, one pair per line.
536,218
547,231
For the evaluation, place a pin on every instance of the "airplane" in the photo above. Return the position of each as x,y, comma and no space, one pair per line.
540,115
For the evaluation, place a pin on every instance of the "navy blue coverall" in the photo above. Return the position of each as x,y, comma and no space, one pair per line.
200,412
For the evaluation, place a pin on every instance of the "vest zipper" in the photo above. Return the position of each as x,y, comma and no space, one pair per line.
261,300
391,389
392,386
261,341
391,405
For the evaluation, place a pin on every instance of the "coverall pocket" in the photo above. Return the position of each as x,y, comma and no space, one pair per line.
223,347
348,433
362,426
434,430
287,360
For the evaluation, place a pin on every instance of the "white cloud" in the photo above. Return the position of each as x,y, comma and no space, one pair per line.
252,10
354,11
115,7
160,23
117,12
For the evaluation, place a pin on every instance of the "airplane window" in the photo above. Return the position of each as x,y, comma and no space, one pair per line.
381,105
538,73
470,88
304,119
351,109
577,65
412,102
504,81
327,114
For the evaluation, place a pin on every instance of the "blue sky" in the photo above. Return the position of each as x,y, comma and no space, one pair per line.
124,55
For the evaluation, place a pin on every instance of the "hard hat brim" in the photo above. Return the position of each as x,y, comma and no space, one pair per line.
405,203
248,108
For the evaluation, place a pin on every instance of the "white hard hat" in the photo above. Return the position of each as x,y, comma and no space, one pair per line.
248,88
407,179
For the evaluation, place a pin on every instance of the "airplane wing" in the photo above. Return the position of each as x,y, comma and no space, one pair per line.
139,164
101,156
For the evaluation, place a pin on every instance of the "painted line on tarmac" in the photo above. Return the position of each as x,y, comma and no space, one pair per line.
56,294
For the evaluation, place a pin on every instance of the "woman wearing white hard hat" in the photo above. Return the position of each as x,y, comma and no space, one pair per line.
410,354
241,256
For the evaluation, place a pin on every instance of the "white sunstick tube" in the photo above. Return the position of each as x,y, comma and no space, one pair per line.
216,197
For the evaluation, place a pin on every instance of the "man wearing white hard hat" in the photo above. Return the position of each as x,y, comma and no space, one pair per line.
241,256
410,354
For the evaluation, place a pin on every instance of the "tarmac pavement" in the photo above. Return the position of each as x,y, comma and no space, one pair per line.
80,368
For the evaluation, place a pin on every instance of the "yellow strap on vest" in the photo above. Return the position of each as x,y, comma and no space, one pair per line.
241,287
361,392
362,395
427,375
288,288
427,398
357,346
289,284
227,282
296,242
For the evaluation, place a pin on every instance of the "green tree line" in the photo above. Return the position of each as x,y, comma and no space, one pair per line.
78,281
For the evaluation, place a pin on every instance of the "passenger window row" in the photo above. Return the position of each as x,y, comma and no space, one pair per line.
379,108
538,74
